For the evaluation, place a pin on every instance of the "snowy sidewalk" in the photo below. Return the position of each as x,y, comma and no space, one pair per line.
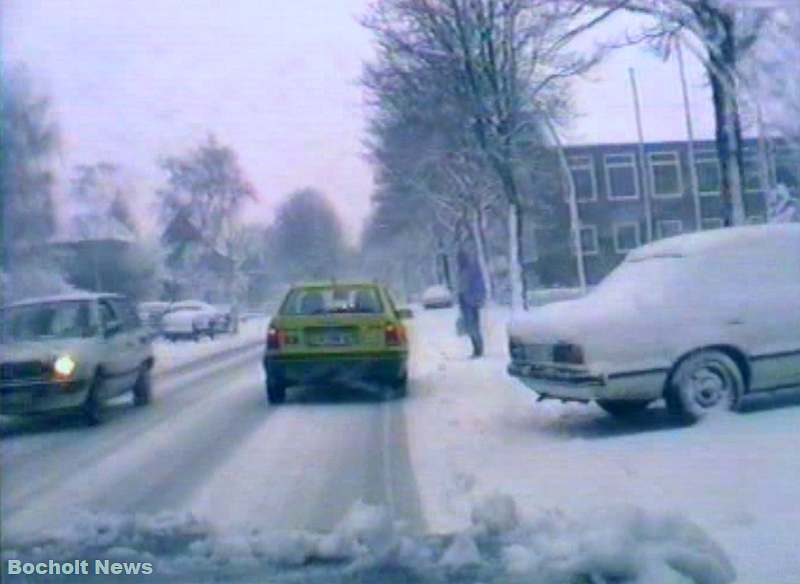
474,431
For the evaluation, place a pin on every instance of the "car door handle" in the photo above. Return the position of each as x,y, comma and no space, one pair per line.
734,321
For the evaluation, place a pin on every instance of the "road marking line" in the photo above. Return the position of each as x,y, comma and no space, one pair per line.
388,483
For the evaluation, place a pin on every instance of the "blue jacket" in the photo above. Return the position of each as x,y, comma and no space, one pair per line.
471,291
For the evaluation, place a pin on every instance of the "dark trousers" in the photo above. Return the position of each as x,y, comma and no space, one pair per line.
472,324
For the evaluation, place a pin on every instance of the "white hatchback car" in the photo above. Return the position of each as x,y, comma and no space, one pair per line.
699,320
72,352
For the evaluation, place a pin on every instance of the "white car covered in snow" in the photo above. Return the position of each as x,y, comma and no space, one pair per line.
190,319
437,297
699,320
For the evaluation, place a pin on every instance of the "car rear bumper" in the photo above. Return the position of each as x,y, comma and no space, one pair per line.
575,385
35,397
382,368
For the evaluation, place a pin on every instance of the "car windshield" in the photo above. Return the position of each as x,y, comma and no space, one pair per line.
334,300
40,322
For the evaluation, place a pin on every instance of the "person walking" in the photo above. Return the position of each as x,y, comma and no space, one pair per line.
471,298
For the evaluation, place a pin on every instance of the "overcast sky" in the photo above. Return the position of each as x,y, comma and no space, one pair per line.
277,81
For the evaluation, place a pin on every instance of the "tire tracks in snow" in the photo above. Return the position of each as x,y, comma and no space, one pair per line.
85,448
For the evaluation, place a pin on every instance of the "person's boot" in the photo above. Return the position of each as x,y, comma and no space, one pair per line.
477,347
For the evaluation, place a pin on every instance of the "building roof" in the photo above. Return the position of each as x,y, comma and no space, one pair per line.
702,242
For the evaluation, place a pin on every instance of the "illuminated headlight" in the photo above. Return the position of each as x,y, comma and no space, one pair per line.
64,367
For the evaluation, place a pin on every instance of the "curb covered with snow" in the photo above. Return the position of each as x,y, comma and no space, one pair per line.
627,545
175,357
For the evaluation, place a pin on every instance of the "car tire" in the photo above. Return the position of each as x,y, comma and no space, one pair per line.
702,384
276,390
92,408
143,388
623,408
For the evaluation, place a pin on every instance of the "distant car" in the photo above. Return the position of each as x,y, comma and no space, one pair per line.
190,319
699,320
437,297
151,314
336,333
72,352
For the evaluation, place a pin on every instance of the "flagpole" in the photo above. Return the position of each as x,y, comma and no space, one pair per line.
574,219
687,108
645,179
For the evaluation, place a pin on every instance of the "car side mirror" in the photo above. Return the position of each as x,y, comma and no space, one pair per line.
113,328
405,313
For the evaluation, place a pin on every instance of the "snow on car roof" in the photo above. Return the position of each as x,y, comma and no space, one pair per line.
68,297
703,242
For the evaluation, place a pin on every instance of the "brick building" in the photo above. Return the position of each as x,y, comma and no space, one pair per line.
611,203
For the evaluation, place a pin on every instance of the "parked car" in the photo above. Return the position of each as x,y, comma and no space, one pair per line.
437,297
191,319
336,333
73,352
700,320
151,314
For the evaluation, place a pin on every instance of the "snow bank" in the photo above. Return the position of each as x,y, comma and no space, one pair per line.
173,355
626,545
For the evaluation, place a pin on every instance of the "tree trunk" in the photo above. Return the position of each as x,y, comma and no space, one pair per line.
728,126
480,246
515,272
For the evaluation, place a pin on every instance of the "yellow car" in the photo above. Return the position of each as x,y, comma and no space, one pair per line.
337,333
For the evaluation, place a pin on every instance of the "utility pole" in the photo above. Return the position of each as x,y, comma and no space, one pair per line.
645,177
698,216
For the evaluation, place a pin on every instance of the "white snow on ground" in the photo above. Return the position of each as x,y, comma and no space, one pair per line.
170,355
583,495
631,547
474,431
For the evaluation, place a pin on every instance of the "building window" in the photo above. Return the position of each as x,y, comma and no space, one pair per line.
622,179
756,219
583,176
708,173
713,223
752,172
626,237
787,167
665,174
589,245
668,227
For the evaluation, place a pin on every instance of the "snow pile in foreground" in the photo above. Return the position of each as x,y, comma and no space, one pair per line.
623,546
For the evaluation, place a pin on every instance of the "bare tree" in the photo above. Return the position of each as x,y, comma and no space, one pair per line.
503,61
308,239
99,202
208,184
719,33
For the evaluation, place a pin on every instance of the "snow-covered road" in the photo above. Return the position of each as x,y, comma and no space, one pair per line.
211,445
